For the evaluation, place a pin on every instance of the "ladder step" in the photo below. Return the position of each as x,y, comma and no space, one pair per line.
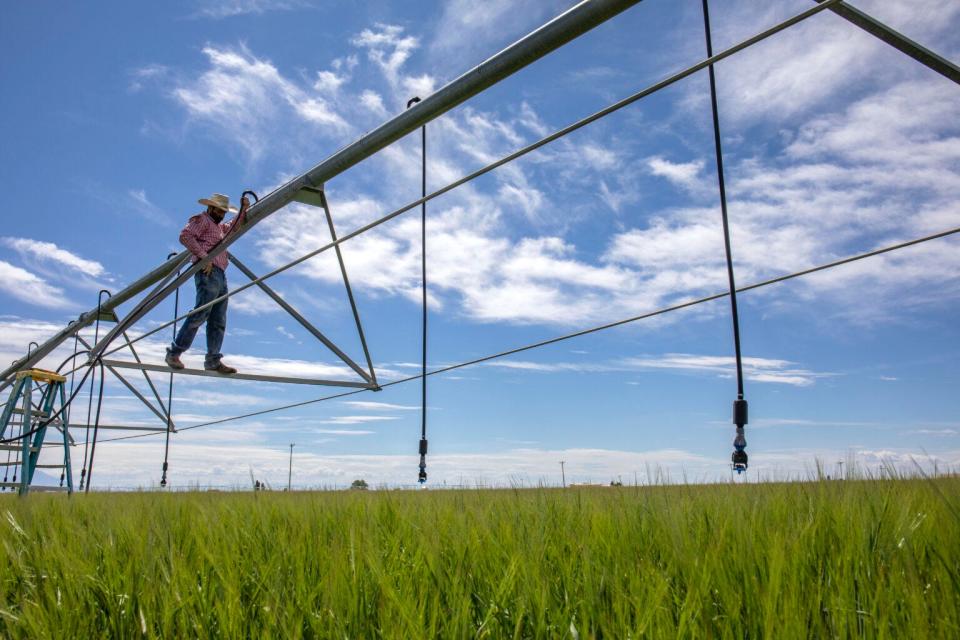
38,414
15,447
41,375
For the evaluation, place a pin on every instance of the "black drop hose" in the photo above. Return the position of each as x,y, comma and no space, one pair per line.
739,457
422,475
166,445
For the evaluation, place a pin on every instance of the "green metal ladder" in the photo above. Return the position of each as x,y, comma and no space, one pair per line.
51,386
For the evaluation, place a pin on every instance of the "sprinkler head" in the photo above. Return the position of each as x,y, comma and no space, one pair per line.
739,459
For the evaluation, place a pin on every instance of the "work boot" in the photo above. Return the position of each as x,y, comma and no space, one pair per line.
173,361
221,368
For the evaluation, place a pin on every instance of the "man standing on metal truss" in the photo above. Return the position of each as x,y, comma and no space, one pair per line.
202,233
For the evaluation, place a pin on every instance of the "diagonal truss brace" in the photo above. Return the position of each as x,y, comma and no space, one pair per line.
162,412
299,318
897,40
316,197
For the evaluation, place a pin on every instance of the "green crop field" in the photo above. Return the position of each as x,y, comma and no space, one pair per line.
868,558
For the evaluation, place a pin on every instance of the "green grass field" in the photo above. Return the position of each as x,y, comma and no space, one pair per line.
867,558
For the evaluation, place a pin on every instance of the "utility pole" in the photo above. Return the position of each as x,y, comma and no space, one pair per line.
290,469
563,476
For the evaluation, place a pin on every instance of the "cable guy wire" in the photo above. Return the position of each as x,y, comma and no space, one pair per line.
603,327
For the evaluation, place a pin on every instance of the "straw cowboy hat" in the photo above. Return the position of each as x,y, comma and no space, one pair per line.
219,201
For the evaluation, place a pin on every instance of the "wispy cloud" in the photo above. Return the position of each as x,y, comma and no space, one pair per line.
251,101
388,47
755,369
768,370
219,9
379,406
357,419
684,174
130,202
344,432
141,204
49,252
467,32
142,76
30,288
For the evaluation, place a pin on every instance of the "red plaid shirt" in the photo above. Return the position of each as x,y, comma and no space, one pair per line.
202,234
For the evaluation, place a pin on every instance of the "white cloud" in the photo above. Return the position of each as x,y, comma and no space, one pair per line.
755,369
250,101
387,47
553,367
809,65
356,420
30,288
212,398
218,9
16,333
684,174
468,32
872,172
373,102
378,406
254,302
344,432
286,334
146,74
50,252
768,370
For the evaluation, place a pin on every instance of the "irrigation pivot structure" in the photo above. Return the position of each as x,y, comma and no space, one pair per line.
163,281
574,22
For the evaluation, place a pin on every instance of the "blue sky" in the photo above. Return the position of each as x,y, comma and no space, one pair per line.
118,116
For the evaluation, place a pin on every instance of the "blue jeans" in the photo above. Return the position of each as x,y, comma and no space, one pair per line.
209,287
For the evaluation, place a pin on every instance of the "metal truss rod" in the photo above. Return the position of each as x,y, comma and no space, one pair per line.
299,318
238,376
134,427
121,427
346,282
569,25
543,343
162,415
662,84
153,388
897,40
